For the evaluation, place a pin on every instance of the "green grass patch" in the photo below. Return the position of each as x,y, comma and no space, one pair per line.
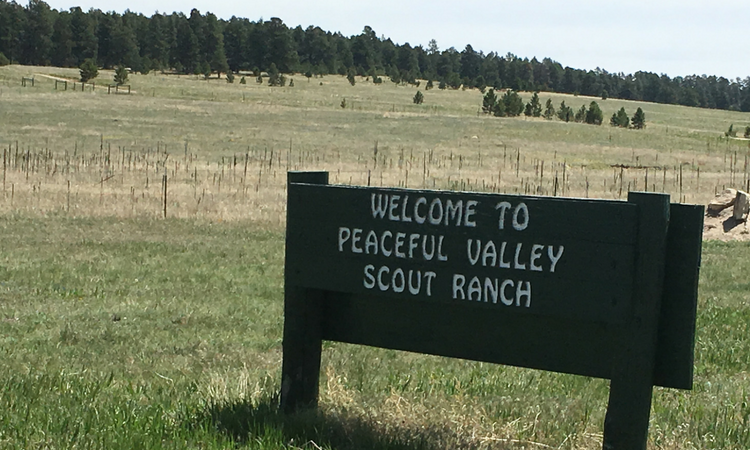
167,334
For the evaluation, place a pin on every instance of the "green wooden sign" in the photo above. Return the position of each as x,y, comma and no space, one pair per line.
590,287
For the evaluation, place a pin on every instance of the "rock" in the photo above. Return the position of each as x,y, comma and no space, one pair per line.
741,206
722,201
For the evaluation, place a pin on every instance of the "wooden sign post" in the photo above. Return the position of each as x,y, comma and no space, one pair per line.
589,287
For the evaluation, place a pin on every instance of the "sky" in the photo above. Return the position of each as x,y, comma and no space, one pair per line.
677,38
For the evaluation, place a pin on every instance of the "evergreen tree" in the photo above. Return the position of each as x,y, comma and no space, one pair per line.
527,110
747,128
580,115
230,77
4,61
88,70
350,76
62,42
594,115
187,50
442,85
214,45
536,105
429,85
488,102
498,110
639,119
565,113
418,98
513,103
274,79
37,37
121,75
549,110
730,132
620,119
243,81
12,27
83,31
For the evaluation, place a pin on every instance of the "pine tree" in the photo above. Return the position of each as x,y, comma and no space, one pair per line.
498,110
536,105
230,77
527,110
580,115
730,132
3,60
350,76
513,103
273,75
747,128
418,98
243,81
88,70
429,85
121,75
565,113
620,119
488,102
549,110
594,115
639,119
442,85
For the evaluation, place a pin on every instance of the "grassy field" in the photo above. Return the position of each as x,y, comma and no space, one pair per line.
119,329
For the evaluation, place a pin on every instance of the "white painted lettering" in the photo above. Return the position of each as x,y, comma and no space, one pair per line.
344,235
516,264
371,243
413,243
502,264
524,291
503,207
475,257
404,217
417,218
414,288
392,207
489,253
505,300
554,257
431,254
436,207
490,289
536,253
383,270
399,245
429,275
356,237
453,212
386,252
458,286
440,255
399,280
475,286
517,224
470,211
369,280
379,208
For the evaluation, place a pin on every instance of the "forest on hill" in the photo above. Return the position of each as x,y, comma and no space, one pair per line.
36,34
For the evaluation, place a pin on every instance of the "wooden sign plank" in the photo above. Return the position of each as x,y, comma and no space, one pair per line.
596,288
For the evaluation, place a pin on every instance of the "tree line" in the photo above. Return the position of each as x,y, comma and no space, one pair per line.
36,34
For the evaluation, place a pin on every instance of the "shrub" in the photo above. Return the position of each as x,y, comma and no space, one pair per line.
747,131
242,80
343,103
121,75
230,77
418,98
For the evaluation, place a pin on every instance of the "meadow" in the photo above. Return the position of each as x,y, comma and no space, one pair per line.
120,328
